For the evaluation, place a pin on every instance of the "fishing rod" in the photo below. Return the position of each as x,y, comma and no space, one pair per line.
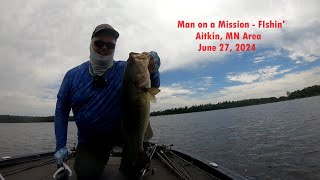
49,161
1,177
190,163
171,166
152,153
223,175
173,163
29,167
9,161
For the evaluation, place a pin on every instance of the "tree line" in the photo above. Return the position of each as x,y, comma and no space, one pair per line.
306,92
27,119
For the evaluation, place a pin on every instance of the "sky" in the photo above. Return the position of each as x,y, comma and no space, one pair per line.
41,40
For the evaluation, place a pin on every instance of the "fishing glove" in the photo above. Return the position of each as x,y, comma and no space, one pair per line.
155,65
61,155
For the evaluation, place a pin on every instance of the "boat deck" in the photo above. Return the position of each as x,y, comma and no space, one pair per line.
111,171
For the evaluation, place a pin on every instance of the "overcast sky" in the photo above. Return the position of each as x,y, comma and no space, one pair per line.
41,40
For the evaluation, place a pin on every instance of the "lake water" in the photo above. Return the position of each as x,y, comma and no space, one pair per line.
271,141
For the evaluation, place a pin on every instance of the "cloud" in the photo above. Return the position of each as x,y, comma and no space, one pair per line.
63,28
268,88
171,96
183,93
273,87
208,81
173,91
244,77
260,57
265,73
189,87
41,40
194,84
302,44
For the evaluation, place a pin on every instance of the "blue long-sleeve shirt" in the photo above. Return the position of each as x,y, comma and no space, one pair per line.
96,110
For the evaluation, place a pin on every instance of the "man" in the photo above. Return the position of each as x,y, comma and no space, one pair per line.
92,90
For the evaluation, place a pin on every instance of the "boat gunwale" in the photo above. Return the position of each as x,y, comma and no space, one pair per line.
204,165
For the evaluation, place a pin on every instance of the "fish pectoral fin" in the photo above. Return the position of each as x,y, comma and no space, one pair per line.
153,98
153,91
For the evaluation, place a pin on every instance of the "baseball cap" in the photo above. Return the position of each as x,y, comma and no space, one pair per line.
105,29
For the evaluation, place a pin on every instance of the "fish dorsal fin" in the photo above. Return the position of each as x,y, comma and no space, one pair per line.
153,92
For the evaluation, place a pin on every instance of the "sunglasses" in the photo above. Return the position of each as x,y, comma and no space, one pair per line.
99,81
100,44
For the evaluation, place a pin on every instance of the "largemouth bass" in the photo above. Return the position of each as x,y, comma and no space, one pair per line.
136,94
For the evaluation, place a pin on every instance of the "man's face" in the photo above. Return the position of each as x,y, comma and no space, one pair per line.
103,50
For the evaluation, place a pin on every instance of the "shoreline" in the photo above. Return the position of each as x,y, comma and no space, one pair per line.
298,94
